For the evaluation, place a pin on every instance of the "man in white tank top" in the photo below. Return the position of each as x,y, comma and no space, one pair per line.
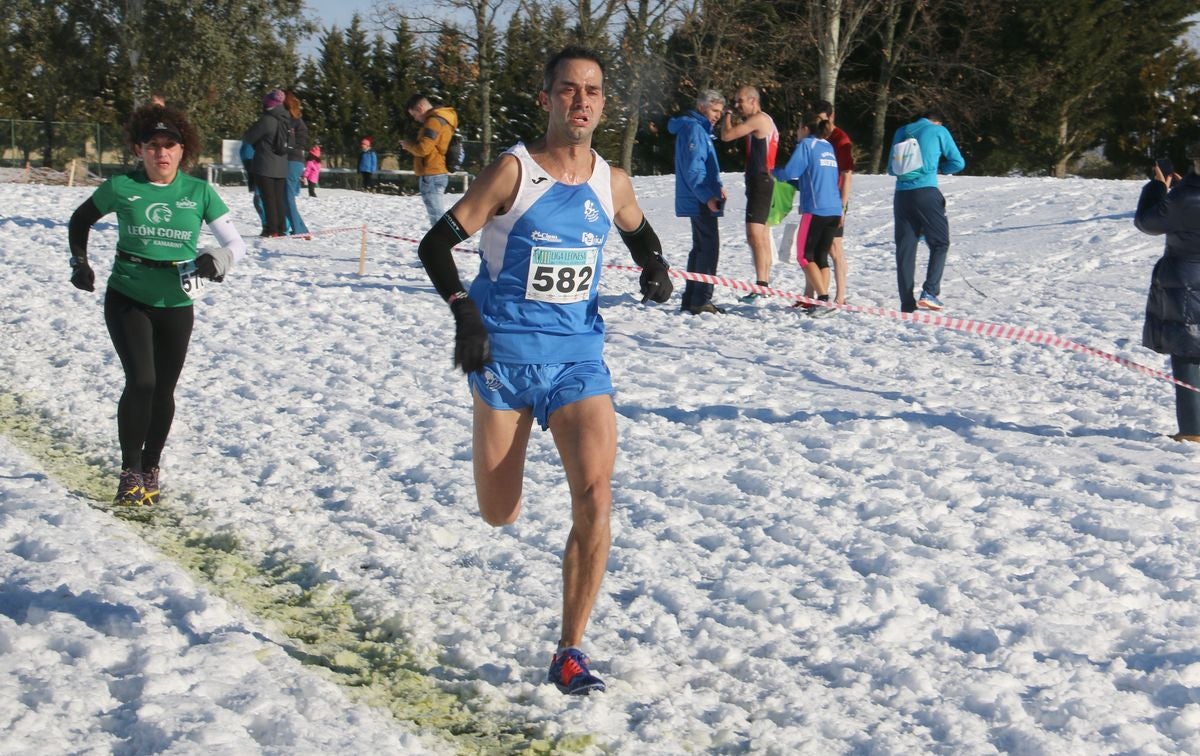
529,334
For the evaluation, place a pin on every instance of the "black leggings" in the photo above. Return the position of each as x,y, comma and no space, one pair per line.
152,343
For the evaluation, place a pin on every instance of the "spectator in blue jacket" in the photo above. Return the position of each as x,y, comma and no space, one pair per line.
919,207
1172,318
813,170
368,164
699,195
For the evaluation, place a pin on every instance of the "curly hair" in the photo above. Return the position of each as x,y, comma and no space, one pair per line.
146,117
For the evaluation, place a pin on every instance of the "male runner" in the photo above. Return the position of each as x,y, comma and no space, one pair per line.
762,142
529,334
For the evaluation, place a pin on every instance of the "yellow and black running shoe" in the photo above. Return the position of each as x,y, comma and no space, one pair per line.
129,490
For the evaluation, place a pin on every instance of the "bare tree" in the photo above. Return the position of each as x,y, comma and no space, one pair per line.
899,17
711,45
594,20
838,26
641,61
480,37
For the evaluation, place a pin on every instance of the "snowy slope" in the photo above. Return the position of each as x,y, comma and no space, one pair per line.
842,535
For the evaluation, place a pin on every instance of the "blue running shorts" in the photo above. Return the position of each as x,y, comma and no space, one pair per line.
545,388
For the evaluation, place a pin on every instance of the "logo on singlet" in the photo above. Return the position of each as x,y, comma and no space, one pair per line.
590,212
135,198
159,212
186,204
539,179
543,236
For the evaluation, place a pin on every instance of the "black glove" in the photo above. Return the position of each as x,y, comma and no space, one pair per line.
206,267
472,347
656,283
82,276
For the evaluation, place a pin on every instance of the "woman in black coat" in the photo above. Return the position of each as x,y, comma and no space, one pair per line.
1173,308
271,136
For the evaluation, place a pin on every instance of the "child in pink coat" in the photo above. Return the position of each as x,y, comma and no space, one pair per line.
312,170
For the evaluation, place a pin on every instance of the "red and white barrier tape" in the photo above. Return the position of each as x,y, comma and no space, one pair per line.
981,328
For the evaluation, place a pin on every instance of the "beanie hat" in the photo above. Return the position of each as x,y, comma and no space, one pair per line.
316,150
272,99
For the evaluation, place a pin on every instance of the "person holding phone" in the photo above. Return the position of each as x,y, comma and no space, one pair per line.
1169,206
699,195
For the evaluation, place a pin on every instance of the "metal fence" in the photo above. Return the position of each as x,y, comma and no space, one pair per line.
54,144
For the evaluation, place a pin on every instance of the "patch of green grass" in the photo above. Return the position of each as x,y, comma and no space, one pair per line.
321,626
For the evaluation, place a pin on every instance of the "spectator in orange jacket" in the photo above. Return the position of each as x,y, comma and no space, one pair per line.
429,151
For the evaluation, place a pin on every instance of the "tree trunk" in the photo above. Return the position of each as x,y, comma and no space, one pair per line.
1064,157
629,139
135,11
891,52
830,30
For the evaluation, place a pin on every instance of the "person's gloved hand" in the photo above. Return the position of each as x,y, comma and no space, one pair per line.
655,281
82,276
213,263
472,347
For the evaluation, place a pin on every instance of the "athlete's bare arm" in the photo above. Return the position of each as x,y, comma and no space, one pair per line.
759,124
625,206
492,194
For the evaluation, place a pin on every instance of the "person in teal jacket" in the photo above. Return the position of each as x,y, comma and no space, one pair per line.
919,208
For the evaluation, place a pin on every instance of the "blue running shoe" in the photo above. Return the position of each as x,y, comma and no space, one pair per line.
569,673
929,302
750,298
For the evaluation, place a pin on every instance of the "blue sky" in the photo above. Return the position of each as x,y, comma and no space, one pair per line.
327,13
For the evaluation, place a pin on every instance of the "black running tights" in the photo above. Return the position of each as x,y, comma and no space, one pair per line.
152,343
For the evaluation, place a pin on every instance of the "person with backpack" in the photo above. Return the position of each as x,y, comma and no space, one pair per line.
271,138
921,150
438,126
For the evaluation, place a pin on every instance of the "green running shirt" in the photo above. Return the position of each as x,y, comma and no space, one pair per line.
157,223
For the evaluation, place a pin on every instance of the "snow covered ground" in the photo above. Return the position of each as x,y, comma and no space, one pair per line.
845,535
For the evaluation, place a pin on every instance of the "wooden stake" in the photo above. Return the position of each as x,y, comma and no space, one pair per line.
362,252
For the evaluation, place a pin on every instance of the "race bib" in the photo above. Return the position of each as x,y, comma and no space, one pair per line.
561,276
189,279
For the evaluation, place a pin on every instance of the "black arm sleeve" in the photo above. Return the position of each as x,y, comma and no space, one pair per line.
81,224
435,255
644,246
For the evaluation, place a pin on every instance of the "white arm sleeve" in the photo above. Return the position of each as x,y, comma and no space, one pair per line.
228,236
